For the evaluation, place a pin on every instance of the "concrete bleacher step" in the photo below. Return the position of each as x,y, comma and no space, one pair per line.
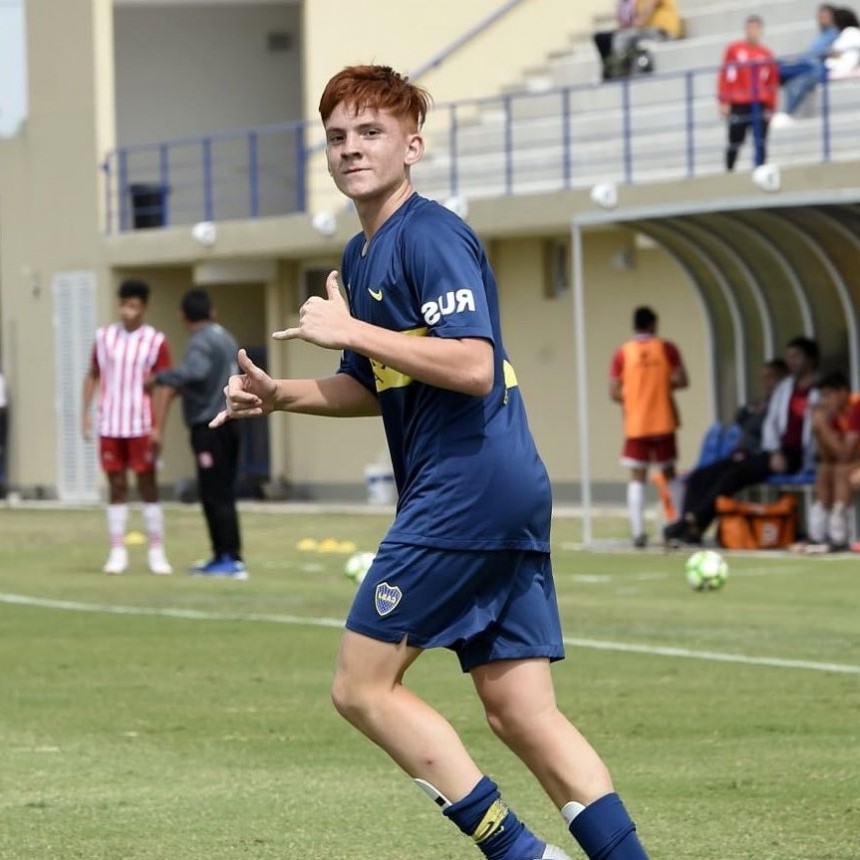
519,142
789,26
656,155
726,20
606,124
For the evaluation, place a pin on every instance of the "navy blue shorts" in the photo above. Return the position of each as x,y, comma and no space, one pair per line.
483,605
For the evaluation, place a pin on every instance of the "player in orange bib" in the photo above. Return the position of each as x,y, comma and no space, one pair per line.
645,371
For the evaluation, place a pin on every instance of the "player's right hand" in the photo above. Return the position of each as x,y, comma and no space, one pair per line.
248,394
86,427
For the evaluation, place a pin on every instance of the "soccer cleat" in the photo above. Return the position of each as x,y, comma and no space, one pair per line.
158,563
553,852
225,566
640,541
117,561
201,565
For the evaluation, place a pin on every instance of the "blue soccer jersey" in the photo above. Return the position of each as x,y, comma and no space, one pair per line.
467,470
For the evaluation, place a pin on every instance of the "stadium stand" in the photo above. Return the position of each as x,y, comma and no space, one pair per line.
561,105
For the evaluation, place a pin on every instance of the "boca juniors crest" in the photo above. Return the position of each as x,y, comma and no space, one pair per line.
386,598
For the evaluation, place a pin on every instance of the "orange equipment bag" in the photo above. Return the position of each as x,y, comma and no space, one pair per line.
745,525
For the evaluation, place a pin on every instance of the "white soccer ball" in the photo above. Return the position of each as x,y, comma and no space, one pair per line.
357,566
205,232
706,570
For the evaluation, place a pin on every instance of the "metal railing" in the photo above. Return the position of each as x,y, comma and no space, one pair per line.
464,39
248,173
648,128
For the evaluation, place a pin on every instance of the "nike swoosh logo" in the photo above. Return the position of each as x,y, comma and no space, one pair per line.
375,295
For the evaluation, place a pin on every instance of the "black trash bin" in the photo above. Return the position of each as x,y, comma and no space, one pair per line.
147,205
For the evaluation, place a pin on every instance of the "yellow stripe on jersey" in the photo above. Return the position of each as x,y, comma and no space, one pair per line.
387,377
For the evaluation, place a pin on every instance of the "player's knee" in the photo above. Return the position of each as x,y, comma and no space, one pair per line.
349,698
506,721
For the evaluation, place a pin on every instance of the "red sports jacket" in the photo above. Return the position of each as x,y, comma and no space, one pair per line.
749,74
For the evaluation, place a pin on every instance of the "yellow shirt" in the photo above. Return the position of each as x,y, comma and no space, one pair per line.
664,17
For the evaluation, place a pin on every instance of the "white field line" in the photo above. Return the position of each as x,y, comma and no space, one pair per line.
592,644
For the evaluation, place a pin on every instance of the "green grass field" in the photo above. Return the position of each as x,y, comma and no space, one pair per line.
182,718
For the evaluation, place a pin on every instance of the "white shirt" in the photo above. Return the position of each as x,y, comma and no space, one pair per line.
125,360
847,46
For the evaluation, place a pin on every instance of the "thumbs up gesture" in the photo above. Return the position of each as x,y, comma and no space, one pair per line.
323,321
248,394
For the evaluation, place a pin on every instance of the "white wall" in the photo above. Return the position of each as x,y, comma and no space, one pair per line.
184,70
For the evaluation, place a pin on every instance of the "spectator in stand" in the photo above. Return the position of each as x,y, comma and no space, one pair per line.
844,57
645,371
800,74
700,484
836,427
747,91
787,444
841,60
637,20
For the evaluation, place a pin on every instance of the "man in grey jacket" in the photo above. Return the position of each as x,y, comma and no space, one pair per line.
787,445
210,359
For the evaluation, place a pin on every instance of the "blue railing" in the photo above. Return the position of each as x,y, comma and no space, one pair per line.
649,128
248,173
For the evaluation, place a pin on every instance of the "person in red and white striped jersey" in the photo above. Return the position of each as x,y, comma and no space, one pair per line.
125,357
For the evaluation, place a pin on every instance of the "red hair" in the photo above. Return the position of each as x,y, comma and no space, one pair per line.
378,88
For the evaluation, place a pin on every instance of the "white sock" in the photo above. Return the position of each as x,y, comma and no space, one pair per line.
636,507
117,517
153,516
817,523
676,492
570,810
837,524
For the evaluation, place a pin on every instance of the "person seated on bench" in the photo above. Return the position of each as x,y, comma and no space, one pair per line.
841,60
786,445
836,427
637,20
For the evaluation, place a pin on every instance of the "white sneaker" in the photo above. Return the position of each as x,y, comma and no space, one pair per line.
817,524
158,563
837,524
781,120
553,852
117,561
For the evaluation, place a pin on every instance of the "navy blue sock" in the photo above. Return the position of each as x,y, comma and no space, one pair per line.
483,815
606,832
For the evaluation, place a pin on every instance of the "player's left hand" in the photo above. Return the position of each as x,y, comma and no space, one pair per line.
323,321
155,441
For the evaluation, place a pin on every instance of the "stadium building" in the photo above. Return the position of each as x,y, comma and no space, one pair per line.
145,119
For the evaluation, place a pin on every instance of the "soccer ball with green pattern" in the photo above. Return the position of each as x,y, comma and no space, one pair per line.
706,570
357,566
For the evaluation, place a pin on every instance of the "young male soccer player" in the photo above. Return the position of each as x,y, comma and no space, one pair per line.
466,562
125,356
645,372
